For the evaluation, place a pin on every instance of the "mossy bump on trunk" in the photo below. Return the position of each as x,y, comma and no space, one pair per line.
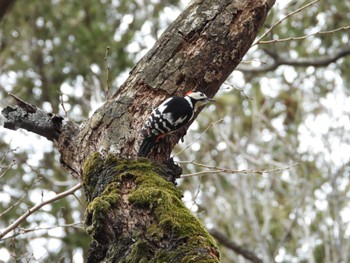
140,214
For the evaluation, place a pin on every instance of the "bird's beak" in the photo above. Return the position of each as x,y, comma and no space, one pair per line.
211,100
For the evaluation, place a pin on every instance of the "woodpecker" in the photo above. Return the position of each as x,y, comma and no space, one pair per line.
171,115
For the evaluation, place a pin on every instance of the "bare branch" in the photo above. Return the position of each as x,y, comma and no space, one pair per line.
306,36
53,127
316,62
241,90
37,207
31,118
21,198
214,169
321,61
62,105
12,206
28,230
281,20
107,73
8,167
246,253
188,146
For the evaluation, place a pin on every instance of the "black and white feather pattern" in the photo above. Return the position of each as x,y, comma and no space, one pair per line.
169,116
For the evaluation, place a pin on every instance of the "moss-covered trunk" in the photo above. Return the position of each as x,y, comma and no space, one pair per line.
135,215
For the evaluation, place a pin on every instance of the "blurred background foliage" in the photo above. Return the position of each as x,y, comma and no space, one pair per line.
52,53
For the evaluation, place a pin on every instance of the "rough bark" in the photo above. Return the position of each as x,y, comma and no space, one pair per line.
31,118
130,202
197,52
133,214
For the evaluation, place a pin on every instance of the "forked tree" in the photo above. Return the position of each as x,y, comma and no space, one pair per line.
134,210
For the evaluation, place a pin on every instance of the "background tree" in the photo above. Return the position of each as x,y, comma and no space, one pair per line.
292,110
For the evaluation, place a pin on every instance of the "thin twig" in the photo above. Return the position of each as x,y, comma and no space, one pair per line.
79,201
250,61
284,18
7,152
28,230
196,194
107,72
188,146
202,173
53,181
7,168
19,200
62,104
214,169
240,90
37,207
306,36
12,206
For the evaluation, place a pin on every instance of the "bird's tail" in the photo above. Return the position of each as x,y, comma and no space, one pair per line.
146,146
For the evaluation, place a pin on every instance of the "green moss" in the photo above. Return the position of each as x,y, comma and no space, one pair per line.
133,165
94,170
97,209
91,169
92,163
112,160
164,199
140,252
111,193
94,213
172,221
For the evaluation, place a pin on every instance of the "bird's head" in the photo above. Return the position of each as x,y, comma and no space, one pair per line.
198,98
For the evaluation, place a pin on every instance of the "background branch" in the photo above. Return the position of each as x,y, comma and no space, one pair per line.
284,18
320,61
28,230
246,253
214,169
37,207
305,36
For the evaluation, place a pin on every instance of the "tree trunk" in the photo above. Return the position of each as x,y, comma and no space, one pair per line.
134,211
135,215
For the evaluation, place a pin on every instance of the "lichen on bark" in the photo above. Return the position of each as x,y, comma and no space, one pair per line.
140,214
